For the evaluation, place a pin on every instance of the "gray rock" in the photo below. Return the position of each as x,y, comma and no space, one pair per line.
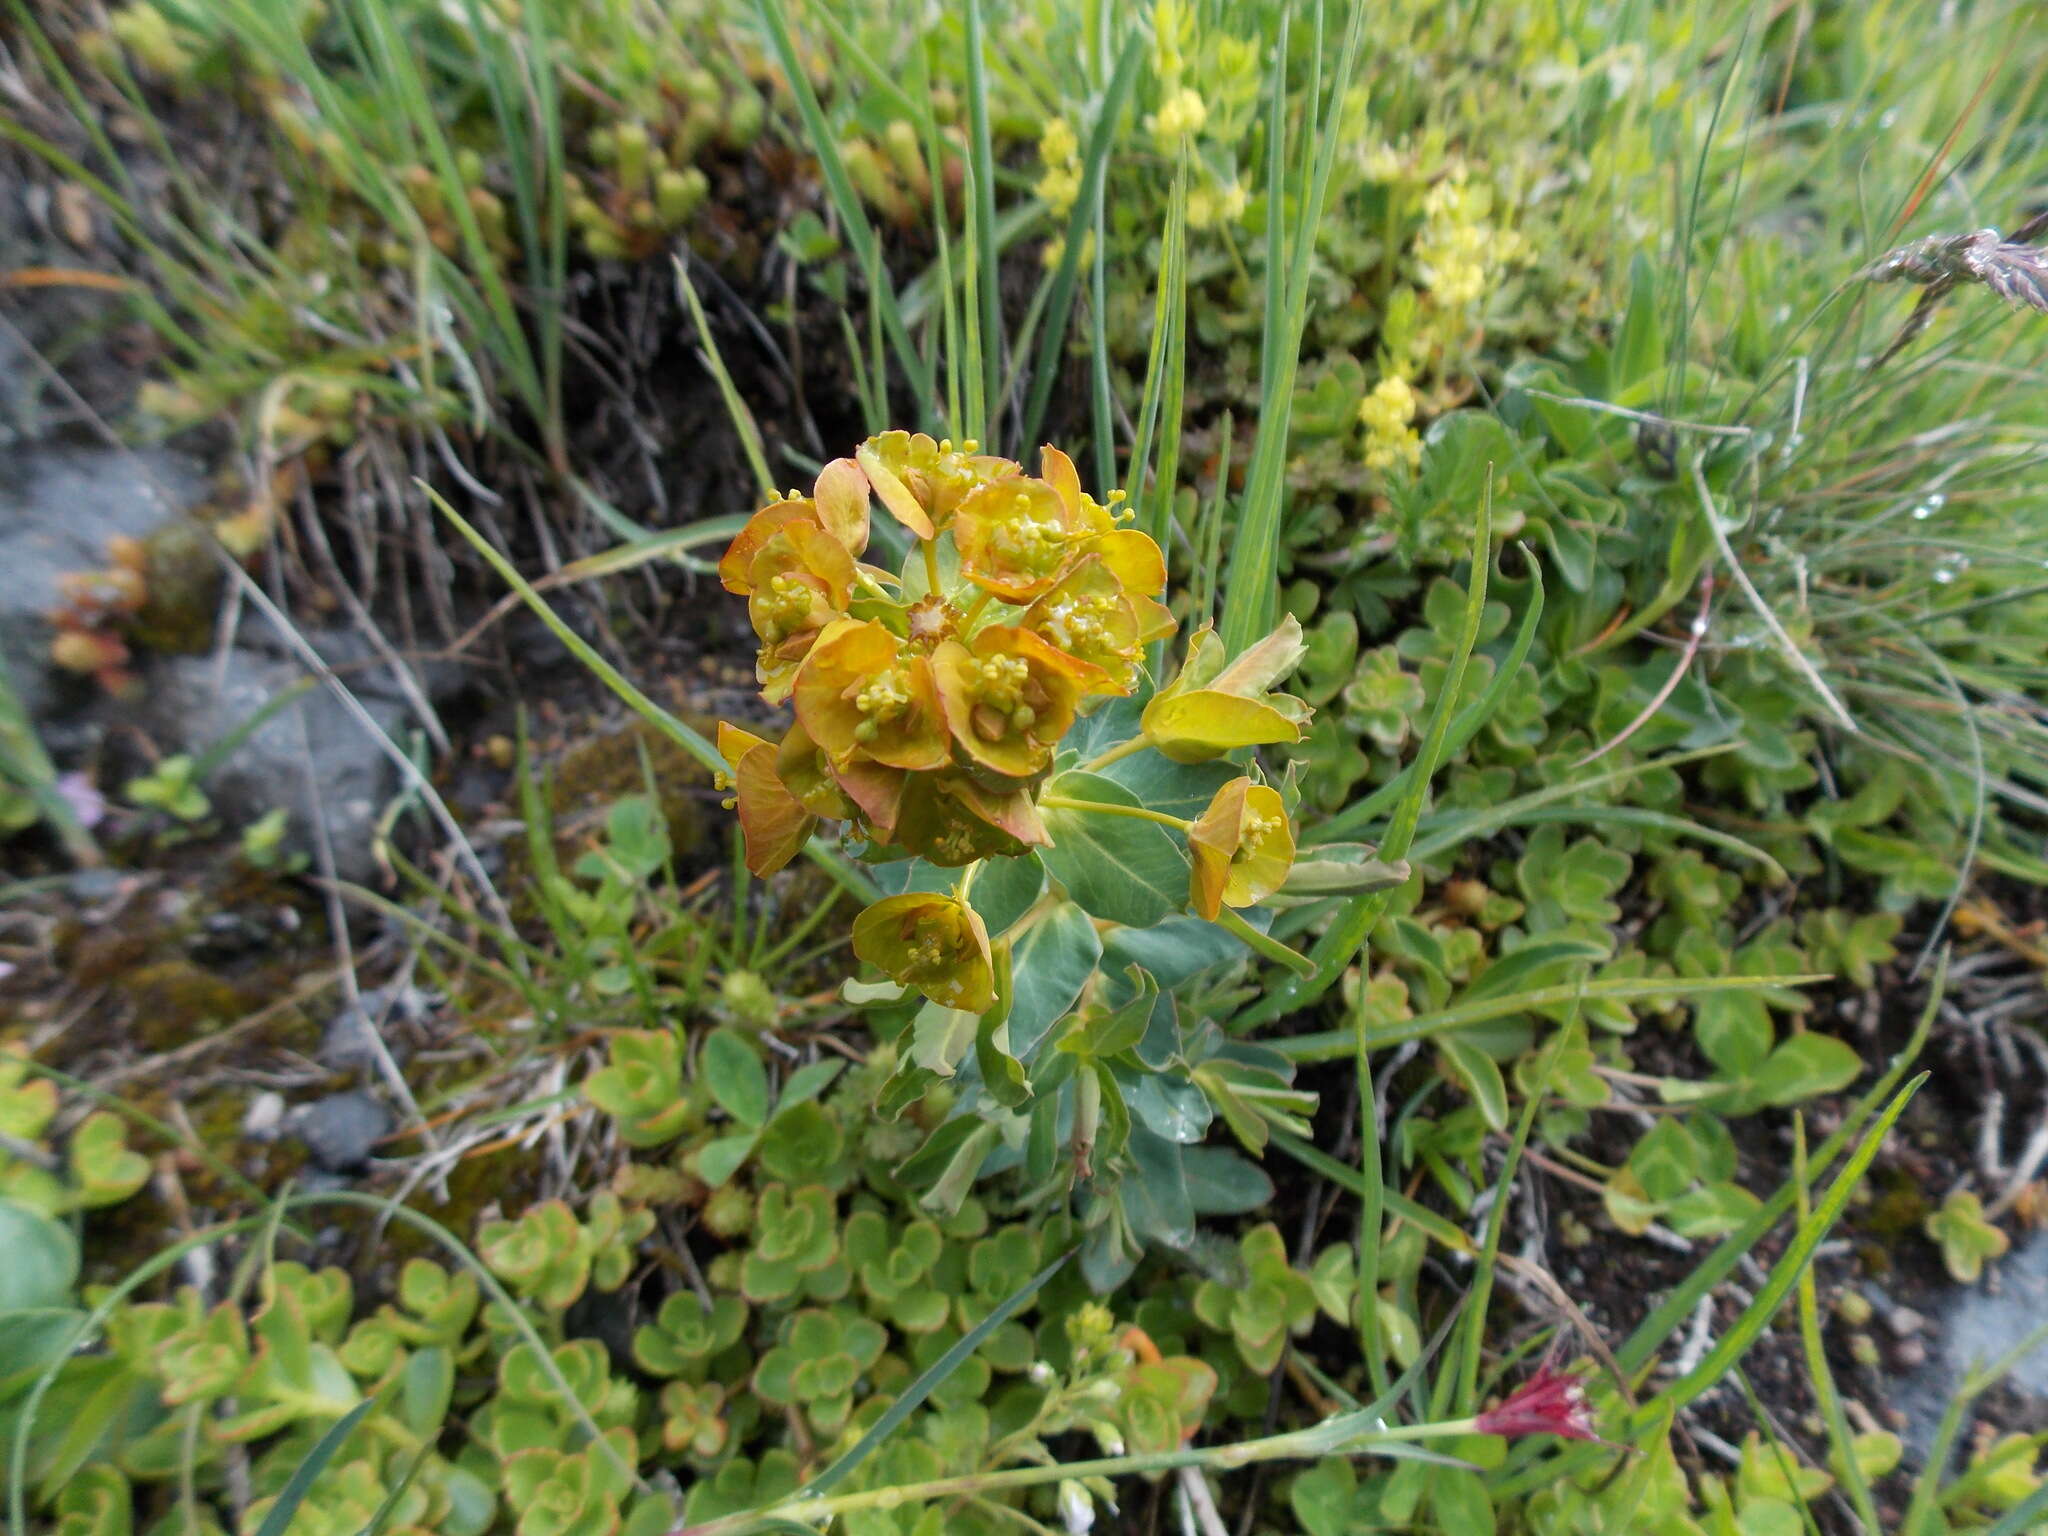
264,1117
59,505
313,756
349,1043
1977,1326
340,1130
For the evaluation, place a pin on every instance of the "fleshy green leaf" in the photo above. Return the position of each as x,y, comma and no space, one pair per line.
735,1076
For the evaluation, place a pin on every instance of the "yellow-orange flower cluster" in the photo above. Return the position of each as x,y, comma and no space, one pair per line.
928,711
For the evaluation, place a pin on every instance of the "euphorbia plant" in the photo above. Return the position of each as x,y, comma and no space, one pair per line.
986,725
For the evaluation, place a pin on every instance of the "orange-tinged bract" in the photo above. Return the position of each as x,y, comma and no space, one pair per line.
928,720
934,943
861,694
950,820
1089,617
1241,848
776,823
798,580
1008,699
931,703
841,496
803,766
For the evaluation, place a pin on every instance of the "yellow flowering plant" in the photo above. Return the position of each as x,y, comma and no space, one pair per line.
983,727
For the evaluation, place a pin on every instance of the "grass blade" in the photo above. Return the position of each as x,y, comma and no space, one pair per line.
690,741
1060,306
280,1514
1825,1391
1334,950
1253,594
981,223
914,1395
742,418
867,245
1734,1343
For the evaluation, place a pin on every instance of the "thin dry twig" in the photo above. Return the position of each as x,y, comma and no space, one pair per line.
1694,637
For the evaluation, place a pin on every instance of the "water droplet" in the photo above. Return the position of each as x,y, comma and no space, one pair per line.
1944,575
1934,503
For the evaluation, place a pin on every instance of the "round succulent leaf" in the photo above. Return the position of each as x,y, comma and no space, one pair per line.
42,1260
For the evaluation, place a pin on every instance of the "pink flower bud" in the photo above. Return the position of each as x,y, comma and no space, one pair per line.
1548,1403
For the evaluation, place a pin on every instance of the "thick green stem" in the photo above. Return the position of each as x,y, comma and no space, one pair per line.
1231,922
1345,1435
1102,808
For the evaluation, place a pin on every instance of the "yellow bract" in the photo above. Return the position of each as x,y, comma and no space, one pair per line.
1194,727
934,943
1089,616
1016,537
1241,848
1212,708
922,481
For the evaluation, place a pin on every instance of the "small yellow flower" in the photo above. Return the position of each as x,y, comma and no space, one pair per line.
1058,188
1390,406
1459,248
1056,142
1182,112
1386,414
1055,250
1215,203
1060,152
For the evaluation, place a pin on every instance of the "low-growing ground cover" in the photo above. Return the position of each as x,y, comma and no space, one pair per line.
1435,925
